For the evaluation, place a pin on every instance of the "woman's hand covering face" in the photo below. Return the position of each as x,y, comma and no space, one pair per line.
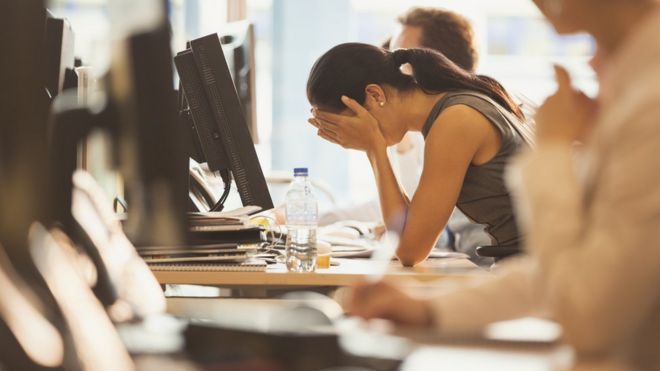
359,131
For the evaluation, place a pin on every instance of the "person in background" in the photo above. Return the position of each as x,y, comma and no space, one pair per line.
451,34
592,220
385,44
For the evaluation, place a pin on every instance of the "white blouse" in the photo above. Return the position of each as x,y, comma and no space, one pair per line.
593,238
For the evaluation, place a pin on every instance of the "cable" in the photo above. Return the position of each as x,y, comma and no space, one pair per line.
274,229
118,201
220,205
226,178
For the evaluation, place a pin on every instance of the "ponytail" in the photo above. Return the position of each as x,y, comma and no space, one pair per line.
435,73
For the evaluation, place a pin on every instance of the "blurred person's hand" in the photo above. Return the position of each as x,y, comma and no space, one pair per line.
382,300
360,131
566,116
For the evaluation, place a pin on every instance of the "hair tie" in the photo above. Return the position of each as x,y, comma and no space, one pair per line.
401,57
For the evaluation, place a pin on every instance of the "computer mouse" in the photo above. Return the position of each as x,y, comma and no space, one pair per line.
364,229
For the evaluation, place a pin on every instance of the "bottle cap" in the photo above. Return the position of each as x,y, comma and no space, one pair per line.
300,171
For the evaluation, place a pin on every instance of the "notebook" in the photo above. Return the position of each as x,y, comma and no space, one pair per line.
198,251
224,259
221,221
249,266
243,235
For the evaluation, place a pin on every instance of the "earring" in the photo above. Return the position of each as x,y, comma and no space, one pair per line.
382,104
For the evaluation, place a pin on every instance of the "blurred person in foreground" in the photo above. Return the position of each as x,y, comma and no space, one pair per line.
592,220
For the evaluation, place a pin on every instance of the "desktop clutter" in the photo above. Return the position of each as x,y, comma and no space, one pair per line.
80,292
247,239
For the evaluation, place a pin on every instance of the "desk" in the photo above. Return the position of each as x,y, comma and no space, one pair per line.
418,351
348,272
489,357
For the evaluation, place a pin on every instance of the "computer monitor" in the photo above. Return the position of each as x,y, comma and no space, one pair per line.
60,58
219,120
152,157
238,44
24,189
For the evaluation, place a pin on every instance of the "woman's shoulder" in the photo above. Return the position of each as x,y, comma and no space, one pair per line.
459,103
458,112
473,99
475,110
460,121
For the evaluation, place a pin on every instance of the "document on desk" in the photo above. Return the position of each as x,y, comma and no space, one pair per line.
437,254
216,222
246,266
363,248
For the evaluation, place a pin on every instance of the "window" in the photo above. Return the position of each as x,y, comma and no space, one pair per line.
516,45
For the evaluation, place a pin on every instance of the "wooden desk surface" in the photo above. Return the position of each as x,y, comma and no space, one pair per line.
348,272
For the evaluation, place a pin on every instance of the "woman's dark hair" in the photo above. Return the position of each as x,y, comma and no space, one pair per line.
348,68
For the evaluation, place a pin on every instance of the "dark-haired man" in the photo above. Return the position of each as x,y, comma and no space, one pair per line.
438,29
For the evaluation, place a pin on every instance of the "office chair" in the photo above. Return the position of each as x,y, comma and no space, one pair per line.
498,252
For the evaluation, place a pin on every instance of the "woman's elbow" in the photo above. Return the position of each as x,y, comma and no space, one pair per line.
410,259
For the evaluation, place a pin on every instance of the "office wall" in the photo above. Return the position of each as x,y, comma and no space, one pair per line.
517,47
298,41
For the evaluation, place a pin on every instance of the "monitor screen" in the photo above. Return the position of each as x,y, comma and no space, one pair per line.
237,40
153,160
60,59
24,189
219,119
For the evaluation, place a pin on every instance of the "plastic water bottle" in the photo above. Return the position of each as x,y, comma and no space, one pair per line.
301,222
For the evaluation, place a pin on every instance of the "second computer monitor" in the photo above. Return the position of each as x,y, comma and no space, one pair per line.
219,119
60,59
238,44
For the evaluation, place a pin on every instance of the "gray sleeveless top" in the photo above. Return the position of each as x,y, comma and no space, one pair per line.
484,198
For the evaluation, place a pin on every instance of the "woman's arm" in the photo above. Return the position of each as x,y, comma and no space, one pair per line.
361,132
457,137
393,199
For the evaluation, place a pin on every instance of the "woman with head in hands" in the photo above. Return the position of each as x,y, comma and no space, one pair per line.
368,98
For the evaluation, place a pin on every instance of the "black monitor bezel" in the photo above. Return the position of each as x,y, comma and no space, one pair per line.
229,122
